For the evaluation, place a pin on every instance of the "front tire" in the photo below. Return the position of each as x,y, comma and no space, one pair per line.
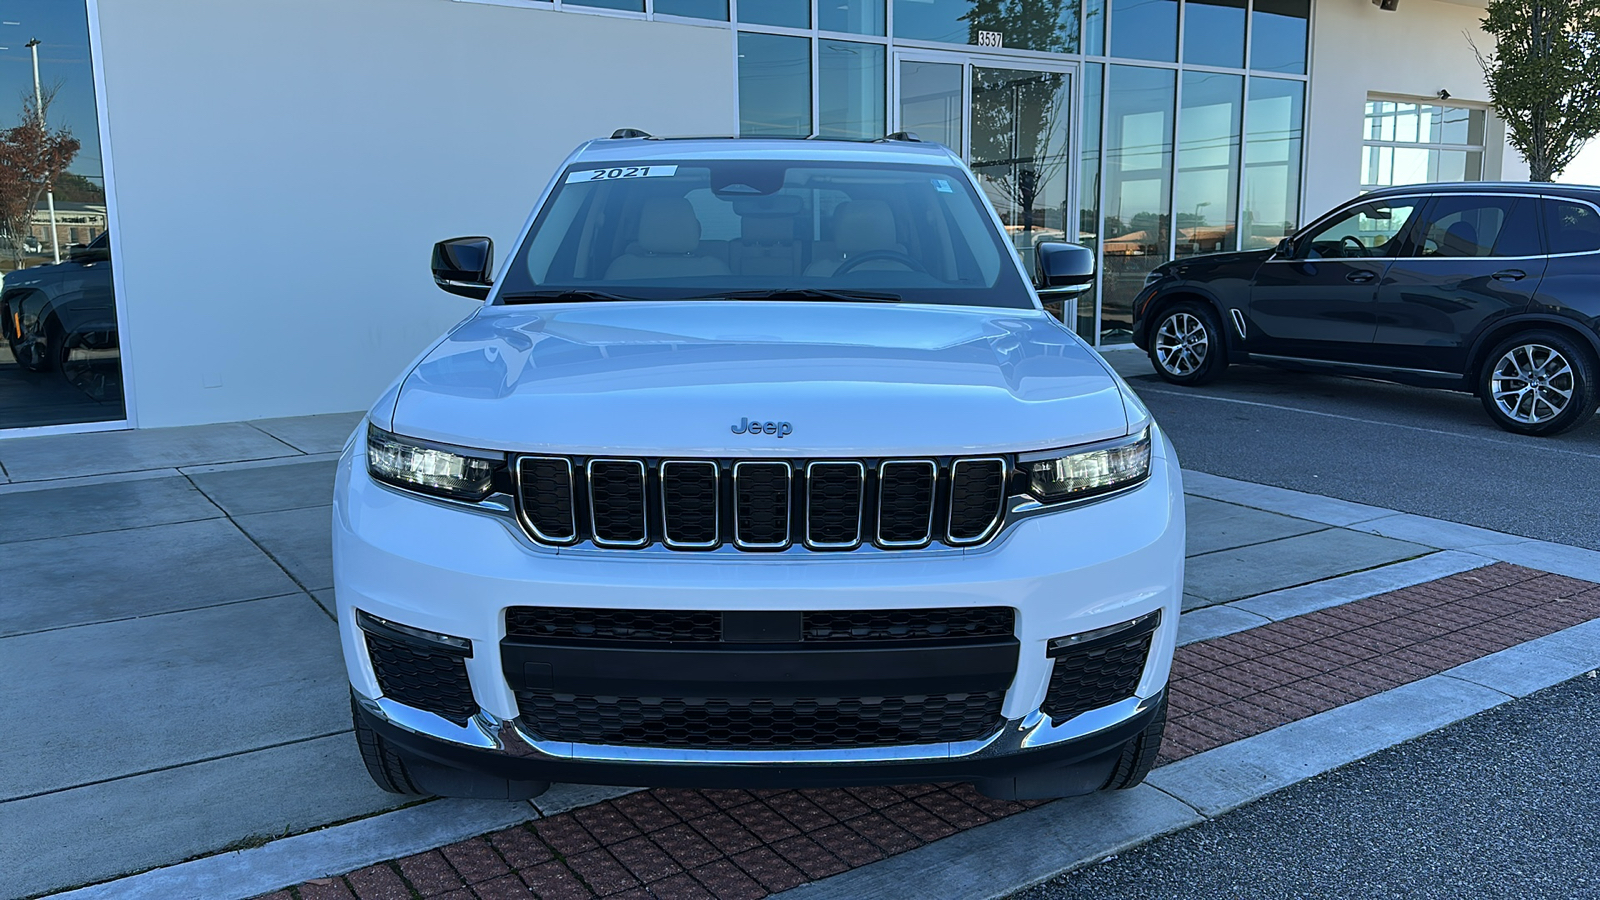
1538,383
386,766
1186,344
1139,755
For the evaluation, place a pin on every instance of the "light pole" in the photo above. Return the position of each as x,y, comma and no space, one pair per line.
49,189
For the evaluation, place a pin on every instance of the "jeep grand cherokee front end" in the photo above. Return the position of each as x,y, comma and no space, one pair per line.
761,466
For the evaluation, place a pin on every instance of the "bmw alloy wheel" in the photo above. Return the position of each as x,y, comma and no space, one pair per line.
1182,344
1532,383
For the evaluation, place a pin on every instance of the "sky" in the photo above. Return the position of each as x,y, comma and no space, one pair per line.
62,26
1586,168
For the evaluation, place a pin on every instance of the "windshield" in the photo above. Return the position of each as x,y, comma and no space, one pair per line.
754,229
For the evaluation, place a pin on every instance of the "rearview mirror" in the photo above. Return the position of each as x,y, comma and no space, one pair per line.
1062,268
464,266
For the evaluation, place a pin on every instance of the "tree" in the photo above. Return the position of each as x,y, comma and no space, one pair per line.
32,156
1542,76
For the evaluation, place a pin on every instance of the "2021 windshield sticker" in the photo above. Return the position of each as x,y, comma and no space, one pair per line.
616,172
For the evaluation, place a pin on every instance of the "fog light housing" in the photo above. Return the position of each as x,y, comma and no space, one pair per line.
1128,630
394,631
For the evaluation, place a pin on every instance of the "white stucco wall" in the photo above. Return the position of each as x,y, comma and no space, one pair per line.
1413,52
282,169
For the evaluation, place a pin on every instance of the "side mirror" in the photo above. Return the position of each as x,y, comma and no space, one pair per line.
464,266
1285,249
1062,268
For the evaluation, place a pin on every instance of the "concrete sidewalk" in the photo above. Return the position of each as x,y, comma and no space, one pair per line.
173,587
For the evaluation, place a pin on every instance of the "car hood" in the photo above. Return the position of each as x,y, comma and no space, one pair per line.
857,379
1192,265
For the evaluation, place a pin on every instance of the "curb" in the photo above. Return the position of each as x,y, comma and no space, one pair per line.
1001,858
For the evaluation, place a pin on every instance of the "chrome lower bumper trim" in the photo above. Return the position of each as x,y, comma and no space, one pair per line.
495,735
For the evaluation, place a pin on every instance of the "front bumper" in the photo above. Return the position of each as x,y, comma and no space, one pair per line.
432,566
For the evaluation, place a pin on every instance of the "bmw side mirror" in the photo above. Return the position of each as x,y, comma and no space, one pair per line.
464,266
1062,268
1285,249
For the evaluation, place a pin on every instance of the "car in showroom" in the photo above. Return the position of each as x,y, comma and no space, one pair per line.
761,465
62,317
1492,289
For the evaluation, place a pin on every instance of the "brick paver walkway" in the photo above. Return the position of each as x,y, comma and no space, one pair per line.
743,845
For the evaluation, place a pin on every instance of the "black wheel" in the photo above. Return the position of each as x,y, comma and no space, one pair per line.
1538,383
1139,754
387,768
89,362
1186,344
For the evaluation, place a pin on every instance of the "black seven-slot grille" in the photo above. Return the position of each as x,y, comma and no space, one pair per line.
753,680
702,504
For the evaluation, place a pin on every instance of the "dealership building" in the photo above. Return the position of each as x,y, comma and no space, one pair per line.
273,175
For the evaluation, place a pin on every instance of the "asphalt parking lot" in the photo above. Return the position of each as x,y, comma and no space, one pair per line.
1433,453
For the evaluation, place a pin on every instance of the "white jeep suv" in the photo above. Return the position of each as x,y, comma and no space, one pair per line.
762,465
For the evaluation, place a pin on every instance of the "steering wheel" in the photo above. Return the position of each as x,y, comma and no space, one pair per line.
1362,248
903,259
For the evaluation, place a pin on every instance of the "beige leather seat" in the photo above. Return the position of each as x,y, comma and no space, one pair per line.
766,246
860,226
668,245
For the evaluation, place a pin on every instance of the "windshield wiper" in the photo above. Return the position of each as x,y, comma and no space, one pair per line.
805,294
562,296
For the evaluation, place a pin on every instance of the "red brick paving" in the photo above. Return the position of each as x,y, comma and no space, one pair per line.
743,845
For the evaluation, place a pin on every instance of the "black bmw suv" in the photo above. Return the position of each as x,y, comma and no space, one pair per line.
1492,289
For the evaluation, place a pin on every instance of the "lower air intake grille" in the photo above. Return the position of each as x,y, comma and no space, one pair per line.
564,624
909,624
759,724
1094,676
429,680
540,623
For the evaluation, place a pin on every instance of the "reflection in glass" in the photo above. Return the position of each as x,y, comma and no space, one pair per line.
60,360
930,102
853,16
1089,186
1138,178
783,13
1049,26
1278,35
1145,29
628,5
694,9
1021,120
1205,189
1275,119
850,90
1213,33
1094,27
1387,166
774,85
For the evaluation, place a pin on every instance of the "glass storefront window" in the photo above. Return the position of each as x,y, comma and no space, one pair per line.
851,16
624,5
60,361
1049,26
1089,187
1094,27
782,13
850,92
1021,128
1278,35
1138,178
1213,33
1274,119
1145,29
931,104
693,9
1205,189
774,85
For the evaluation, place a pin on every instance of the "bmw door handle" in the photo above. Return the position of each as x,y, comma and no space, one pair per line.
1509,275
1359,277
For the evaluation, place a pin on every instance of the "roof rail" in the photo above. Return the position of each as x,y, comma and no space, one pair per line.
621,133
910,136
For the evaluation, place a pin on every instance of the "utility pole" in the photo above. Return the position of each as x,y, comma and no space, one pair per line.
49,189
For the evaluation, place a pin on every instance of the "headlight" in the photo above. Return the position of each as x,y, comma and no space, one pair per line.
432,468
1154,277
1062,475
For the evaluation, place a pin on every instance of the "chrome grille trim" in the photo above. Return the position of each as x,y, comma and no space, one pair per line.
861,504
788,496
933,485
522,506
999,510
644,504
716,488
